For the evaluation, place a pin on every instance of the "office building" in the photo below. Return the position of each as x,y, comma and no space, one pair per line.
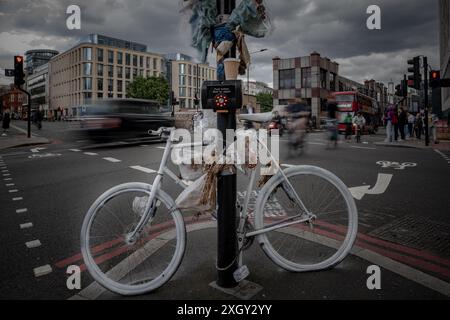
187,78
99,67
37,58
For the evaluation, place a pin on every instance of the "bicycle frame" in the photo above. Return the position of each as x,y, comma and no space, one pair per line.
164,170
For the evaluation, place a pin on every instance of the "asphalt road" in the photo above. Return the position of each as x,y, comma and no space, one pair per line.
408,223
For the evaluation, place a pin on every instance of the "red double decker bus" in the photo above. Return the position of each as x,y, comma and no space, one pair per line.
354,102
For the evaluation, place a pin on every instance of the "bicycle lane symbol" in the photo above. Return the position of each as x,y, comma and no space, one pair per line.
396,165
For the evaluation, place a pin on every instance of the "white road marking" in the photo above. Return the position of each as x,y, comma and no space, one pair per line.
143,169
7,179
5,171
144,145
113,160
162,148
10,185
91,154
6,174
288,165
75,150
365,148
42,271
21,210
33,244
380,187
26,225
13,191
17,199
317,143
36,150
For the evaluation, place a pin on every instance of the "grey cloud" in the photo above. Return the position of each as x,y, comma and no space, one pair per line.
336,29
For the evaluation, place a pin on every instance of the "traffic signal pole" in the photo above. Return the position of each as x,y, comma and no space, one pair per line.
227,251
427,135
28,111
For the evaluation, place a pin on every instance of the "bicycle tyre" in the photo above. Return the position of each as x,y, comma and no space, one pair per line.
102,277
350,235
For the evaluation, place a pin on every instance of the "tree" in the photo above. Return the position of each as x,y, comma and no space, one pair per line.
151,88
266,101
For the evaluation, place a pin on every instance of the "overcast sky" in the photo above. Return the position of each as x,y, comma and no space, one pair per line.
336,29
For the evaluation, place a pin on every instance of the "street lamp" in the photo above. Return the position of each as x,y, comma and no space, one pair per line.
248,70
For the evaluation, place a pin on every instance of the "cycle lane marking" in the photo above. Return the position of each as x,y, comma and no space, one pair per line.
411,256
113,160
95,290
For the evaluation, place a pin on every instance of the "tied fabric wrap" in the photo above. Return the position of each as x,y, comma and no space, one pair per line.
245,17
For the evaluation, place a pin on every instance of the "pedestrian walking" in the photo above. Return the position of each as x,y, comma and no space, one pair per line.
390,135
348,126
402,122
434,123
419,126
5,122
411,120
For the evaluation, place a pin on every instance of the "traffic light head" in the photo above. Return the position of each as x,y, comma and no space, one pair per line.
435,79
415,78
18,71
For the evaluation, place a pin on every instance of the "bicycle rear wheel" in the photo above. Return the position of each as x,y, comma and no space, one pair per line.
302,245
140,266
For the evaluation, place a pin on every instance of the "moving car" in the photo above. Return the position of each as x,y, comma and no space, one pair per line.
114,119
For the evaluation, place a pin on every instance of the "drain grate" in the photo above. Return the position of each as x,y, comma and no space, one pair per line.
417,232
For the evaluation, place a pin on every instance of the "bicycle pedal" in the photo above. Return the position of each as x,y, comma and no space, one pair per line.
241,274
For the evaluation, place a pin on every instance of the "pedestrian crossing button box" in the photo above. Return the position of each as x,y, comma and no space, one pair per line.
222,96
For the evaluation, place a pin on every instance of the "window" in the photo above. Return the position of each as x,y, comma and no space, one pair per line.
119,72
182,82
127,59
141,61
127,73
332,81
87,83
100,95
141,72
110,57
306,77
148,62
87,69
189,69
100,55
100,84
135,72
110,85
87,95
119,85
110,71
155,63
182,68
182,91
119,58
287,79
135,61
87,54
100,70
323,78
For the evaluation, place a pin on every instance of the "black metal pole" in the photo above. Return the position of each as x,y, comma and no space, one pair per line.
28,110
427,136
227,251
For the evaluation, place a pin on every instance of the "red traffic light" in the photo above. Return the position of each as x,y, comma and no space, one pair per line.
435,75
19,59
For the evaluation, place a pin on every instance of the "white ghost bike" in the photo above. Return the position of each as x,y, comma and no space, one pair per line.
304,219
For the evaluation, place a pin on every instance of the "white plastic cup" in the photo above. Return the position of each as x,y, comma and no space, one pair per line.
231,68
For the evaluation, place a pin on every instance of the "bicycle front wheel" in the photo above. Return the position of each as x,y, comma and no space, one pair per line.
293,241
132,267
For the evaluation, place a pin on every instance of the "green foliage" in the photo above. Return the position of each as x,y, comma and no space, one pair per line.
266,101
151,88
